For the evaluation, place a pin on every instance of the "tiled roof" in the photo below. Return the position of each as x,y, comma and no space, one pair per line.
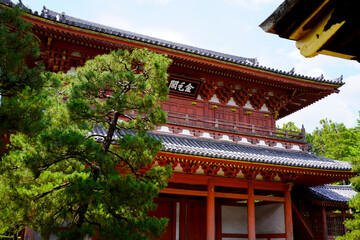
251,62
241,152
332,193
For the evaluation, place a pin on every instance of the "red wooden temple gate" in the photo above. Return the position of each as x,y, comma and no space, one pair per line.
234,171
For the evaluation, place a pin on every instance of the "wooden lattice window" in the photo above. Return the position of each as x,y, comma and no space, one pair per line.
335,224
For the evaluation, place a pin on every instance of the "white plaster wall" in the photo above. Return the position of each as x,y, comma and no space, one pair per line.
270,218
234,220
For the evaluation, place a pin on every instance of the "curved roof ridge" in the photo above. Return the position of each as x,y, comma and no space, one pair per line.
334,186
243,61
61,17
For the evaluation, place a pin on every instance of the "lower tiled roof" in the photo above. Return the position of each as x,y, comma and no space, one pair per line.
333,193
241,152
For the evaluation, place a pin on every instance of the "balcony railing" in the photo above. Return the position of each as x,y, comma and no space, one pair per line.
233,126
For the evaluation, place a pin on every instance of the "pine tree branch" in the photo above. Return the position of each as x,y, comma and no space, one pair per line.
50,191
117,216
94,135
93,223
124,160
140,176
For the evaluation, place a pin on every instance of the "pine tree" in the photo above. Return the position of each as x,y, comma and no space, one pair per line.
23,94
73,181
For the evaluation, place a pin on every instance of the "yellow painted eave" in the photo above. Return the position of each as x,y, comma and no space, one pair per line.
310,44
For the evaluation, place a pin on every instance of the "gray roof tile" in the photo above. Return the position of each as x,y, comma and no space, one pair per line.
332,193
252,62
239,152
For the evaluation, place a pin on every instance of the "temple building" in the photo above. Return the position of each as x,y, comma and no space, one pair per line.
236,176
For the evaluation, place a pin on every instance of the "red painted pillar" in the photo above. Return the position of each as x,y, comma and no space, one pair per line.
288,214
182,224
29,234
210,220
343,213
251,212
324,222
218,220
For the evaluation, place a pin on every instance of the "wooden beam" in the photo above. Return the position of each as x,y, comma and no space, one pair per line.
231,182
270,199
220,194
299,31
225,182
251,212
311,43
273,186
184,192
210,206
189,179
305,231
231,195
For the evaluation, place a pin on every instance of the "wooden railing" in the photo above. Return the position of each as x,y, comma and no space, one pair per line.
220,124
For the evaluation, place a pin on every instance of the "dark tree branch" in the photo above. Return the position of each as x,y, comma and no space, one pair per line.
112,127
50,191
94,135
117,216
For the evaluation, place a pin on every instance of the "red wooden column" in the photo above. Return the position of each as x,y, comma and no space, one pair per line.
288,214
343,213
210,220
251,212
218,219
182,218
324,223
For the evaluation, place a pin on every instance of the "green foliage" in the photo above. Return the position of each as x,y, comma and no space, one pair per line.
64,179
291,127
353,225
333,140
22,93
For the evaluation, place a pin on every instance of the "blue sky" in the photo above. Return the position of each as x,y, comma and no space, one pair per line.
229,26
